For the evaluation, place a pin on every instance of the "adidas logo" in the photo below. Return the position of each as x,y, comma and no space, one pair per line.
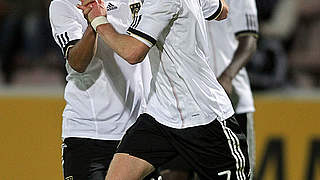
111,7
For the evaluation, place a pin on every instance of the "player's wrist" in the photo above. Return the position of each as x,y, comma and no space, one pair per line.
90,29
97,21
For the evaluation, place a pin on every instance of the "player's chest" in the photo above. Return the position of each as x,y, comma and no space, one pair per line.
120,13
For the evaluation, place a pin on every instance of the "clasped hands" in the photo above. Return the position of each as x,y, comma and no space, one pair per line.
92,9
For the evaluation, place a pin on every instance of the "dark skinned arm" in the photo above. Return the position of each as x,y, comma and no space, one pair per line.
247,46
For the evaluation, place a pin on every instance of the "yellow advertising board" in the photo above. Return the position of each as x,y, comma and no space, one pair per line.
288,139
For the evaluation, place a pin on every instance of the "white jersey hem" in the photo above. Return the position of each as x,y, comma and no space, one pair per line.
204,121
99,137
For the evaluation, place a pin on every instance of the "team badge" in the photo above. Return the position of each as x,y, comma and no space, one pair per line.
135,8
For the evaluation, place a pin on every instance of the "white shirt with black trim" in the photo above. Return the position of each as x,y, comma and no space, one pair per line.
184,90
105,100
223,41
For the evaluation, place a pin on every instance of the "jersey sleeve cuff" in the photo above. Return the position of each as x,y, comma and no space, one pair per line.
145,38
247,33
217,13
68,46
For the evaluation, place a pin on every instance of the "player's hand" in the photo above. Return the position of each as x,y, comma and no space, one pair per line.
98,9
224,13
92,9
226,83
85,10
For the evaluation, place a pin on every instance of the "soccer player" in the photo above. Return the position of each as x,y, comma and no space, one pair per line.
232,43
104,94
188,113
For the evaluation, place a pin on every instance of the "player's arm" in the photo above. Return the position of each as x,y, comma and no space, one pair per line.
78,48
244,23
246,47
129,48
79,55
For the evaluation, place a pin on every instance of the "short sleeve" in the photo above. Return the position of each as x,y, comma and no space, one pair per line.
66,30
243,17
211,9
153,18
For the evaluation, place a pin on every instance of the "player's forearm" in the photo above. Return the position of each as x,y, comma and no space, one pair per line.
129,48
80,55
246,48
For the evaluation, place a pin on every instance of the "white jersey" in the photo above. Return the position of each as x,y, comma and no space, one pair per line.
223,41
105,100
184,90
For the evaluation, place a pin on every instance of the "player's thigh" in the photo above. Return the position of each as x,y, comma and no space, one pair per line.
76,157
127,167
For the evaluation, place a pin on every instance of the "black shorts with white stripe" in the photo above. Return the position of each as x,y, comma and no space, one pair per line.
216,151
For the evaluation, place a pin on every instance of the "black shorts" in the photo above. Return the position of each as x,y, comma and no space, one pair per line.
87,159
215,151
179,164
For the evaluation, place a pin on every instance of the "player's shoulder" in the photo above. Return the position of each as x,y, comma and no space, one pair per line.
62,7
58,2
62,3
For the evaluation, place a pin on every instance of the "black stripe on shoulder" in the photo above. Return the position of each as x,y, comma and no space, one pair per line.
66,34
143,35
60,42
247,33
67,46
216,14
64,40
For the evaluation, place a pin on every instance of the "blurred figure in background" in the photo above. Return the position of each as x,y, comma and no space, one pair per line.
25,40
304,54
278,18
289,46
268,69
11,39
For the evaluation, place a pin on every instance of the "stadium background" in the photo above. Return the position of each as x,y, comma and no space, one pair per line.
284,73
